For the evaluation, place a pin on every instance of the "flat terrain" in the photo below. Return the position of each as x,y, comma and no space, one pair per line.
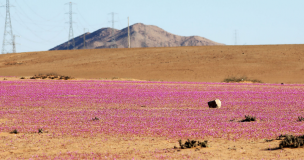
45,146
268,63
105,119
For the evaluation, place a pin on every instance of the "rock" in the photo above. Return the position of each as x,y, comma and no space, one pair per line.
215,104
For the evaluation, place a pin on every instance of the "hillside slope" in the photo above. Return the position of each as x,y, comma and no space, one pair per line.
141,36
271,64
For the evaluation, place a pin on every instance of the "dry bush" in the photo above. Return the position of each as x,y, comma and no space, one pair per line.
249,119
291,141
192,144
241,79
300,119
95,119
51,76
40,130
14,131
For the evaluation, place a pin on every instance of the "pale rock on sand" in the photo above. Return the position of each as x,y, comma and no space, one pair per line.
215,104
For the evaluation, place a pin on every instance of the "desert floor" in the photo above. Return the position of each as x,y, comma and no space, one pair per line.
44,146
268,63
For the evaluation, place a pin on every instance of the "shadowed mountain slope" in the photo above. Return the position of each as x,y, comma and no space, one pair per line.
141,36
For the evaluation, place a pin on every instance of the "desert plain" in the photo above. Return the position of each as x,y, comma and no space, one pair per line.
137,103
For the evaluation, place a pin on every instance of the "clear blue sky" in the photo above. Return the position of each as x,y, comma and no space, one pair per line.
41,24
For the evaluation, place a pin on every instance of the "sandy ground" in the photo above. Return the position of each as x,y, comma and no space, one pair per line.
34,145
269,63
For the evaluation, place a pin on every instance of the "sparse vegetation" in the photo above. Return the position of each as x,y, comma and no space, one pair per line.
291,141
241,79
22,78
95,119
15,131
51,76
249,119
40,130
300,118
192,144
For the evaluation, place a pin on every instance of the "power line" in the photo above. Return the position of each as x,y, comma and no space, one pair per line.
8,38
28,28
23,13
71,34
56,15
113,30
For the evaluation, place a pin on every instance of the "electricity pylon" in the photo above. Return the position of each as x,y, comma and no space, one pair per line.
8,38
113,30
71,34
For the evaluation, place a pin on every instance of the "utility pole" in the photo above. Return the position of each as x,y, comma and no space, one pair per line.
84,42
71,34
8,38
145,37
235,34
14,44
113,30
129,40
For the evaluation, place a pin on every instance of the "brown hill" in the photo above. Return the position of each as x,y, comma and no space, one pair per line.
271,64
141,36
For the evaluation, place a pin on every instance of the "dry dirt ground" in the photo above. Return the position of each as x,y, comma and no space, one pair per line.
271,64
268,63
45,146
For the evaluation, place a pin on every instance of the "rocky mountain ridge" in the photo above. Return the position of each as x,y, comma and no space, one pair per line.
141,36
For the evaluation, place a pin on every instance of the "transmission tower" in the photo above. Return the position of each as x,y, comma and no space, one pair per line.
8,38
112,33
71,34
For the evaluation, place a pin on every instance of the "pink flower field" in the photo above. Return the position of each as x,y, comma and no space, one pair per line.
158,109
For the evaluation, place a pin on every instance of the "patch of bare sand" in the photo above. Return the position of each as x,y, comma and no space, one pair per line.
268,63
30,144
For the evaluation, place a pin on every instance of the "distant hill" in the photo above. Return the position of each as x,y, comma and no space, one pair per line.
155,37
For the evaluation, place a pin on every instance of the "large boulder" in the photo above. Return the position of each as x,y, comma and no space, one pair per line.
215,104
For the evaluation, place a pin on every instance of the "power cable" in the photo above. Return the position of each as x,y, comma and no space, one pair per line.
41,42
57,15
24,14
32,31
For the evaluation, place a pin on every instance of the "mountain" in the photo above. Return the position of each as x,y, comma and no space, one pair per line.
139,33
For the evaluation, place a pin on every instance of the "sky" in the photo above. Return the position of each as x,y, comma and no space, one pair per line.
40,25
